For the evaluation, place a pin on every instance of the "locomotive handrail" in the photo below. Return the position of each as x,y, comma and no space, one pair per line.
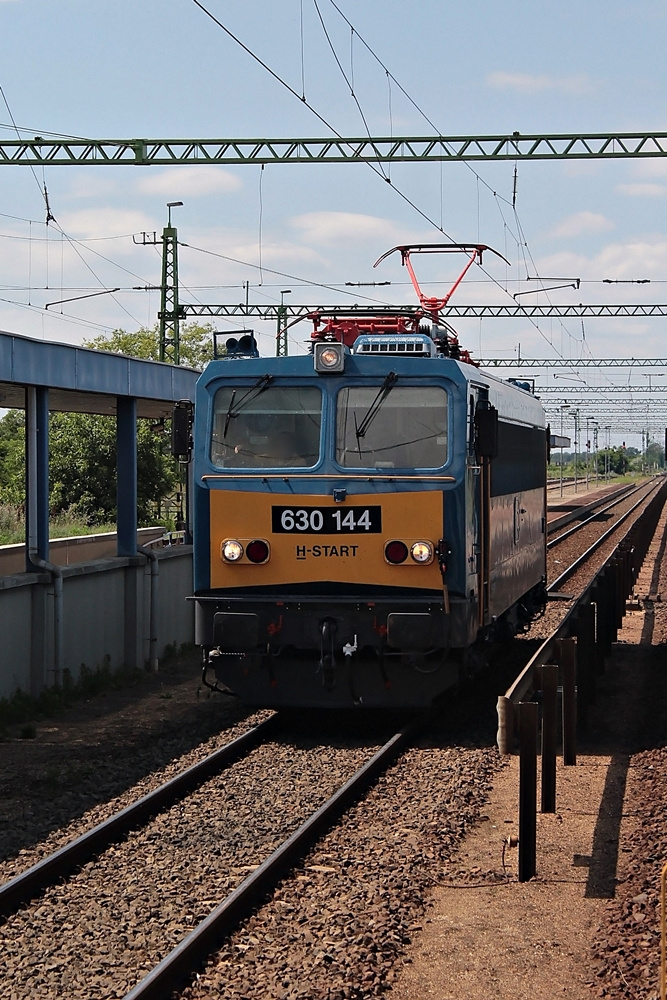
235,474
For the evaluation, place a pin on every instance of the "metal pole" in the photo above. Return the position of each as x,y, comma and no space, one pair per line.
126,475
527,790
568,661
549,726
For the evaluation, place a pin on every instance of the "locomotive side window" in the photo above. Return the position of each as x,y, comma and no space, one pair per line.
407,431
266,426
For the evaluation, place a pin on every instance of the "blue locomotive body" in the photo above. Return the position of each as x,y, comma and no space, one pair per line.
362,517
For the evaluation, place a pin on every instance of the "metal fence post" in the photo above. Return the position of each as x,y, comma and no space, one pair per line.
567,649
527,712
586,660
549,727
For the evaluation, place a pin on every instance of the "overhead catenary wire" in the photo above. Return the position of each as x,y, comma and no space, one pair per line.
320,117
479,179
50,218
276,76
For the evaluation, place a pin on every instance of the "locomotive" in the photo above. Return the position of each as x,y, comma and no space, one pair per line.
364,515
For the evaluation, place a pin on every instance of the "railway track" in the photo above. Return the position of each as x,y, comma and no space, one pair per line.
587,533
24,887
594,512
177,928
318,920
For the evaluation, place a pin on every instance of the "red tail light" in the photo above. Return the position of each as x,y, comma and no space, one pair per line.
396,552
257,551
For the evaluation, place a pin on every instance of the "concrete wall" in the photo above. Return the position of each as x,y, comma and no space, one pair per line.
78,548
106,607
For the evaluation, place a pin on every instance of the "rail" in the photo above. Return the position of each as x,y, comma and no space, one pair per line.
594,510
573,567
62,863
575,650
195,948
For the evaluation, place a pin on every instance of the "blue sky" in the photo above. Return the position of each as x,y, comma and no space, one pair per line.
122,69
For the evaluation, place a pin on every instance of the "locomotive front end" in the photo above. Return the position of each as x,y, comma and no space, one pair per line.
320,550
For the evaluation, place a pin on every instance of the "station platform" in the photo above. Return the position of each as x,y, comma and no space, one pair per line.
561,510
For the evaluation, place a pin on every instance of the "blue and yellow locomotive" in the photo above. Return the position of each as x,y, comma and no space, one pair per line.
362,515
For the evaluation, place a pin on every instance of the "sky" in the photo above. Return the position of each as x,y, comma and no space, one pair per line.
164,69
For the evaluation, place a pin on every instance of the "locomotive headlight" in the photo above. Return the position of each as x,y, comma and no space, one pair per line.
329,357
422,552
231,550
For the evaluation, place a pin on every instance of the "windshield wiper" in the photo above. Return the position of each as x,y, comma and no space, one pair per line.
374,408
248,397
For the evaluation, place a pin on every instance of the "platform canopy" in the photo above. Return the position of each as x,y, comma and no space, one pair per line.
83,380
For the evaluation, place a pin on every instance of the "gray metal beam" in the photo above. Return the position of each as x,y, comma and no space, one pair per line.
143,152
516,311
635,391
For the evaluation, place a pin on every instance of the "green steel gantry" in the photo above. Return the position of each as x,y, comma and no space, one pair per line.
283,311
63,151
55,151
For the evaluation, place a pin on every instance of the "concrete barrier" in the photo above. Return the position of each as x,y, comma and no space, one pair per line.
106,616
76,549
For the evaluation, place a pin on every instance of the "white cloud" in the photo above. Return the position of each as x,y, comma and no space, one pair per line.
100,222
642,190
345,227
580,224
616,261
90,184
650,167
190,182
277,254
529,83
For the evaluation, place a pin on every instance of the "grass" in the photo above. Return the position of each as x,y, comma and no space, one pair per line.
12,526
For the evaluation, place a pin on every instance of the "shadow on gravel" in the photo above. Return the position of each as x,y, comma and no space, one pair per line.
629,716
97,750
601,882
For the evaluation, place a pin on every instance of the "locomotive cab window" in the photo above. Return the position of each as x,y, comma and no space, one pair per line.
403,427
266,426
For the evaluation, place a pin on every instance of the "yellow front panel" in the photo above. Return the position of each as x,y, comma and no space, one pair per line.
340,557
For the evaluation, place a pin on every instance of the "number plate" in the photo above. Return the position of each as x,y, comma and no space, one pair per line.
342,520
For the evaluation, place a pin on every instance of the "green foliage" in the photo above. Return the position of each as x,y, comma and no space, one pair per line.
615,459
83,467
12,459
196,343
22,709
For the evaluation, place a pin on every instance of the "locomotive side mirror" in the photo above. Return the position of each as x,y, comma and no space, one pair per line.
181,430
486,431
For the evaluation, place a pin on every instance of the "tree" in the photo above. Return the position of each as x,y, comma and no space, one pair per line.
83,467
613,459
196,343
12,458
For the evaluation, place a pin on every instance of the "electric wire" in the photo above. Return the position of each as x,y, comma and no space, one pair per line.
347,81
320,117
431,123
